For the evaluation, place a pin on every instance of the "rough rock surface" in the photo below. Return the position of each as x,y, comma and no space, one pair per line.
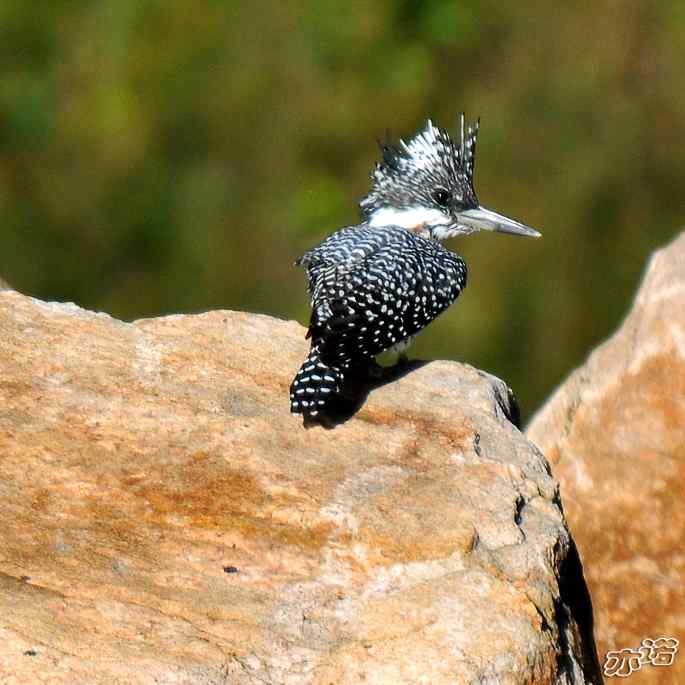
166,520
615,434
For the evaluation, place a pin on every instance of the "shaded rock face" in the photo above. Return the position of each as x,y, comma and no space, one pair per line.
615,434
165,519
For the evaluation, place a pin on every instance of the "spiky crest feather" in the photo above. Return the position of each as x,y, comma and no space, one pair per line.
429,160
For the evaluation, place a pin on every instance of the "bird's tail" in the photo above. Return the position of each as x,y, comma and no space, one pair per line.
314,385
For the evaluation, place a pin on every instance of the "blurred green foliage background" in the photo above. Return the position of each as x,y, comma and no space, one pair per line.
160,156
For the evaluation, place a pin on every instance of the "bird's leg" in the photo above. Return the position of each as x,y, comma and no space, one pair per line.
402,358
375,370
401,349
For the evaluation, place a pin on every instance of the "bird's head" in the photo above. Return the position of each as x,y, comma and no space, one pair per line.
426,186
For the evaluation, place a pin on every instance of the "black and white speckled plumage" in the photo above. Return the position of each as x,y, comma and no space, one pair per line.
376,285
370,289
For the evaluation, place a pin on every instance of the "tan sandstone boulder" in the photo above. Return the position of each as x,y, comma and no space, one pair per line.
166,520
615,434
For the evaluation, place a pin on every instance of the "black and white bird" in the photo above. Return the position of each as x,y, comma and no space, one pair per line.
375,285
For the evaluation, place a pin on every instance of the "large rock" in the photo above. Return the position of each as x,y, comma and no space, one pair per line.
166,520
615,433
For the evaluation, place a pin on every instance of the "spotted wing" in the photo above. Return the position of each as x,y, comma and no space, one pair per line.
386,285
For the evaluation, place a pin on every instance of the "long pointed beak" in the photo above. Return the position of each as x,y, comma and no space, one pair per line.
487,220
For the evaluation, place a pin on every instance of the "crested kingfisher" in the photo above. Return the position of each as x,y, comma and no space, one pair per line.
375,285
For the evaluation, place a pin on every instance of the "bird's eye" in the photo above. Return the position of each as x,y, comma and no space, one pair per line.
442,197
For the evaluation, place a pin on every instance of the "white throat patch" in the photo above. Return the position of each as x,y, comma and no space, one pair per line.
409,218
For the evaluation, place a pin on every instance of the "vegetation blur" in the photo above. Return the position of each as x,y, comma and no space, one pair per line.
177,156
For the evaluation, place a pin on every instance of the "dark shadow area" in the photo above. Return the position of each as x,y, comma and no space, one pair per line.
358,384
510,407
575,603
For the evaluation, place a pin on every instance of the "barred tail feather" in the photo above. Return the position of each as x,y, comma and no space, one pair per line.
314,385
